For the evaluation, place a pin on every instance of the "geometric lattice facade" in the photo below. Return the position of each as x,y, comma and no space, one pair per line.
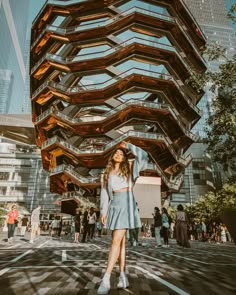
107,71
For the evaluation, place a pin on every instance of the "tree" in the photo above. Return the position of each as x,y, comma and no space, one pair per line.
221,129
210,207
221,133
232,13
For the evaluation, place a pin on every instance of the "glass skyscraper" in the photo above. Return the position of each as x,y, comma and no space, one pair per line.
199,175
13,25
22,178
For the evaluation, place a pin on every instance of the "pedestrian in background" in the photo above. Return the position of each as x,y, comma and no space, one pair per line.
98,225
121,213
181,227
77,221
24,224
92,217
85,225
165,226
157,226
11,222
35,222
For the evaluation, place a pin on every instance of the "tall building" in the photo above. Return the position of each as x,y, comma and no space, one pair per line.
199,176
209,11
113,71
6,80
22,177
13,24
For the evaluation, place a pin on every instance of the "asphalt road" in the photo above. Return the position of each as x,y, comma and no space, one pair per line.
54,266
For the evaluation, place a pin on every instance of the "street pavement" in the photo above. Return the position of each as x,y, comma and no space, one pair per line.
54,266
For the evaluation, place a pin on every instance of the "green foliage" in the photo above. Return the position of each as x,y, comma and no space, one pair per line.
221,130
171,212
232,13
210,207
2,215
221,133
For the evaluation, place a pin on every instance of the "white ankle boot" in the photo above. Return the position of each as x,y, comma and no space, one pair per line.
123,281
105,286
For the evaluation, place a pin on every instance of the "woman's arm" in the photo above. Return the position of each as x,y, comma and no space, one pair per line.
141,158
104,201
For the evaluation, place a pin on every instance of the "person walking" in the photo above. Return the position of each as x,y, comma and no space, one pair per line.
91,223
119,212
11,221
55,224
157,226
165,227
85,225
24,224
181,227
77,220
35,222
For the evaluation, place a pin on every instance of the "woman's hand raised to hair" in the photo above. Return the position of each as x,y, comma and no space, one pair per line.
123,144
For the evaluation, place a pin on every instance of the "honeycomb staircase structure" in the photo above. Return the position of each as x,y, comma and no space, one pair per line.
107,71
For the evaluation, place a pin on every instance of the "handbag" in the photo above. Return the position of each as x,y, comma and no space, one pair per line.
5,228
166,224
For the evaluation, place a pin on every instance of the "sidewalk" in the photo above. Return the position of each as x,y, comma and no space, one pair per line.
54,266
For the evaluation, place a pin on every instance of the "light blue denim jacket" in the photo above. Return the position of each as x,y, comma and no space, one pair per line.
140,162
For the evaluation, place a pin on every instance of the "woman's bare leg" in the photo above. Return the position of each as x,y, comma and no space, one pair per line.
117,238
76,237
122,255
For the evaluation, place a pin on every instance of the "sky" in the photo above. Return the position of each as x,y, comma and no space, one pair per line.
229,3
35,6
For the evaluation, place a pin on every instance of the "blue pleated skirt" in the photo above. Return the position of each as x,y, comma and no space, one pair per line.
123,212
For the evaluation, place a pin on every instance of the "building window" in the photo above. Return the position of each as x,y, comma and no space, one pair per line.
4,175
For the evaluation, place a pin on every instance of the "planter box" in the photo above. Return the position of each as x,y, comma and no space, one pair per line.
229,218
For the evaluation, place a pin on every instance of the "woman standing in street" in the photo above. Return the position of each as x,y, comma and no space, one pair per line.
91,223
165,226
118,207
181,227
11,221
77,221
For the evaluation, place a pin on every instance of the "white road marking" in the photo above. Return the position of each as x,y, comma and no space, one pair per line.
213,254
96,246
162,281
197,261
13,246
147,256
154,276
20,256
4,271
14,260
40,246
63,256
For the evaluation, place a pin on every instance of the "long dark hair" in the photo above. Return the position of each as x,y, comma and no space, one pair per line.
164,210
124,169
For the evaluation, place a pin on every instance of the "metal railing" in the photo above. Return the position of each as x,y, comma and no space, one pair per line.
104,84
91,25
99,150
104,53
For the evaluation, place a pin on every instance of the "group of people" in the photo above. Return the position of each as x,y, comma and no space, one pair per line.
163,223
214,232
118,213
13,221
86,223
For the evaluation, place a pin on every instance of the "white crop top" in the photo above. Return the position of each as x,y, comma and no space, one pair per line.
118,182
